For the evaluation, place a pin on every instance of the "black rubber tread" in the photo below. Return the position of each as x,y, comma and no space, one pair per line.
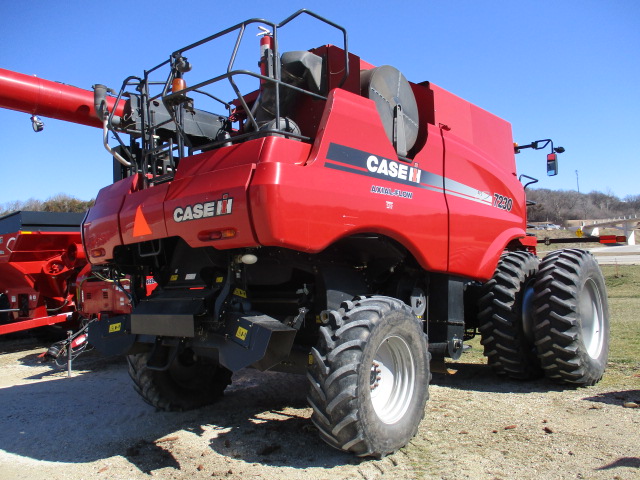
162,390
508,348
339,376
557,330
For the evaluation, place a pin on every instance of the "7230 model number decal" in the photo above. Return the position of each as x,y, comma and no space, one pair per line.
502,202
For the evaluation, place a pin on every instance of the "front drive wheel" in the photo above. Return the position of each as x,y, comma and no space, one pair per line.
505,317
571,316
369,377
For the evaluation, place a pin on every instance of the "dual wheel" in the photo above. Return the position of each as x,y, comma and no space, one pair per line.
549,318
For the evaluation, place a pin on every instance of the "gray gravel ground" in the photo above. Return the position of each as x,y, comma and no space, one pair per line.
477,426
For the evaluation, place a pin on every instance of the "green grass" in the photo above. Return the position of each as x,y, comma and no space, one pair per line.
623,287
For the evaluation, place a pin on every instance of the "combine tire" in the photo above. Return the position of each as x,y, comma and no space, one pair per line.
572,317
505,317
369,377
190,382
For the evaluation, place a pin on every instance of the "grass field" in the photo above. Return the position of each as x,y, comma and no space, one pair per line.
623,286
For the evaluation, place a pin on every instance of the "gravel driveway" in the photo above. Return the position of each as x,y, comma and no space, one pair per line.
93,425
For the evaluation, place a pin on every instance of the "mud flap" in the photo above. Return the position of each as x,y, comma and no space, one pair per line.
257,340
111,336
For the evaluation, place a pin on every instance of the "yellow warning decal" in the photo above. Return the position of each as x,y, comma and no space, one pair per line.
238,292
241,333
310,359
115,327
173,278
219,279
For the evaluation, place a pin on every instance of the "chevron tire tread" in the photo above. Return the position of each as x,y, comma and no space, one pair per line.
510,351
194,385
572,317
341,374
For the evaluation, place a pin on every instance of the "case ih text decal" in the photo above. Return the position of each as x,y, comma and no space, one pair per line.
347,159
197,211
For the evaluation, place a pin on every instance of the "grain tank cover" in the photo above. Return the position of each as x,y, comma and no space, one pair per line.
396,105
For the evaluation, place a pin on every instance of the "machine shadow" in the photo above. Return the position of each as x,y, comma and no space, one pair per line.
617,397
480,377
269,423
262,418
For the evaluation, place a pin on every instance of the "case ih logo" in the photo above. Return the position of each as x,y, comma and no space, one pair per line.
393,169
348,159
204,210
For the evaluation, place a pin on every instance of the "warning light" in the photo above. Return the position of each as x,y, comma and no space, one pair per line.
217,234
178,84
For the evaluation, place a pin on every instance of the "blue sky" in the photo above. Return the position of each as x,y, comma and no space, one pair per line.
562,69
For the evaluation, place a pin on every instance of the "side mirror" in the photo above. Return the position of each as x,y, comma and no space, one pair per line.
552,164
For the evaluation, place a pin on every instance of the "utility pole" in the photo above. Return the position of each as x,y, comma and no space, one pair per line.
577,181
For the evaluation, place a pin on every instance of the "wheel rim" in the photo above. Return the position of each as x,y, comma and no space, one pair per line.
592,319
392,379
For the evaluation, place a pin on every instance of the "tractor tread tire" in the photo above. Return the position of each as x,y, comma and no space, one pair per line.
558,330
508,350
342,411
158,390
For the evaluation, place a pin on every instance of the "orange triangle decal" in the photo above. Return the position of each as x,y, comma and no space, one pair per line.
140,225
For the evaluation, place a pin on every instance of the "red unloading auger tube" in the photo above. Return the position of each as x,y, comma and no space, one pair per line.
36,96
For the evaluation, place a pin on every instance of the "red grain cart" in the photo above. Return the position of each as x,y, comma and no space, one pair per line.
45,278
40,256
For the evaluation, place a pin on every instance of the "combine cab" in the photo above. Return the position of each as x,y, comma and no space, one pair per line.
322,215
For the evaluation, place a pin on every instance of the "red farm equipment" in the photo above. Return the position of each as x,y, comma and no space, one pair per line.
40,256
328,220
42,266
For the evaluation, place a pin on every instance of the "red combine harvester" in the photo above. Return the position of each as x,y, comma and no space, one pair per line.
328,220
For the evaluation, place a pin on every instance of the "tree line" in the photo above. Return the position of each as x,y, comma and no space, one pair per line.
556,206
57,203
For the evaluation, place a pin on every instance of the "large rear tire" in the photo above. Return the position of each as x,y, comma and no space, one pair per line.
369,377
189,382
571,314
505,317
